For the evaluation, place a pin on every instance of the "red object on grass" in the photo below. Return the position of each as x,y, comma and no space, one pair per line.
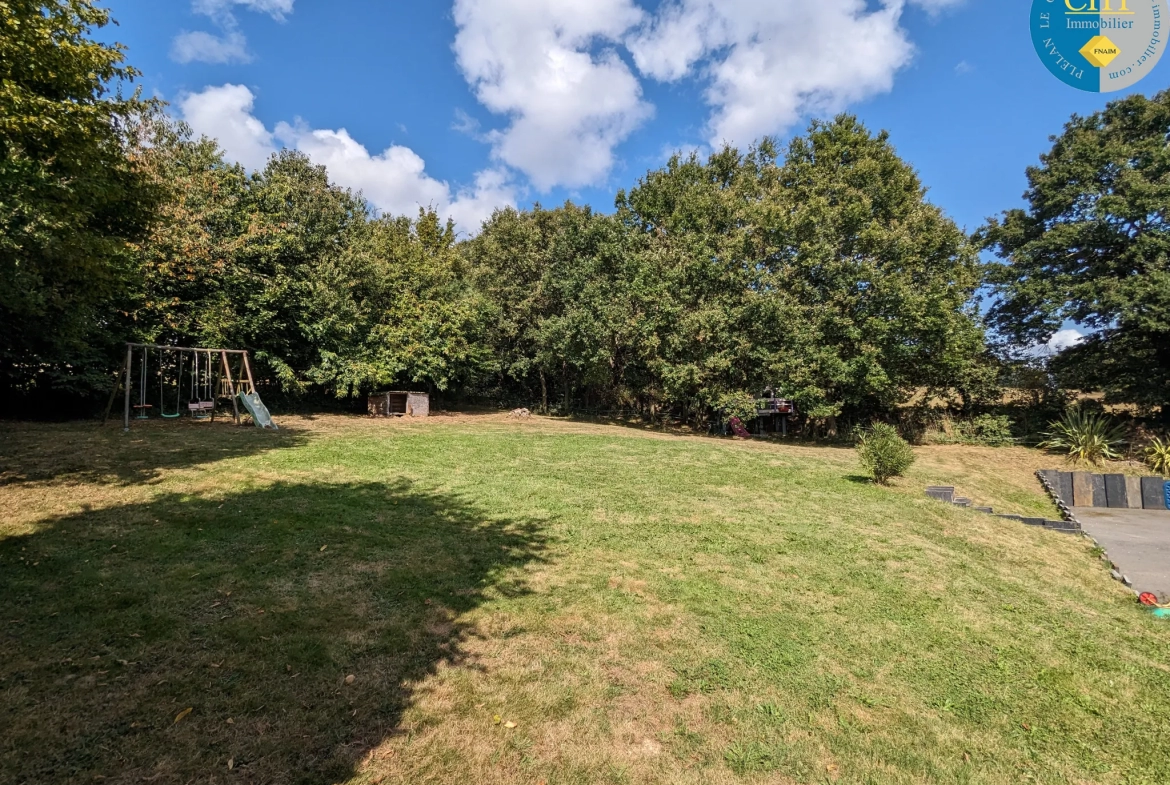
1145,598
737,427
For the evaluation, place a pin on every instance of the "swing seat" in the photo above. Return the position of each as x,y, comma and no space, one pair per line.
142,413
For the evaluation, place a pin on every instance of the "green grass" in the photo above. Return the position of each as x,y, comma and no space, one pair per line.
643,608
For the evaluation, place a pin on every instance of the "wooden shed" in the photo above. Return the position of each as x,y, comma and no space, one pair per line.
399,404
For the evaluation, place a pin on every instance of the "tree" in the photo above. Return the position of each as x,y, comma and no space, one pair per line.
826,275
72,200
555,287
886,276
401,310
1093,246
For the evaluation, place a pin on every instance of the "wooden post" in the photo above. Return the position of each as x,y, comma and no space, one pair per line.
212,383
126,411
231,387
248,368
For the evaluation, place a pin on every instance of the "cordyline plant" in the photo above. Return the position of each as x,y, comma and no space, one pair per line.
1157,455
1085,437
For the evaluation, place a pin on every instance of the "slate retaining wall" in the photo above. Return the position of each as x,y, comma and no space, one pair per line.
1086,489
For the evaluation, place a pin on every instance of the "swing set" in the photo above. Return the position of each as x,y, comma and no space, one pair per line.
209,379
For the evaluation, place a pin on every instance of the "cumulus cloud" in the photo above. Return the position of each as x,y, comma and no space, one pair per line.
203,47
552,67
555,69
768,64
225,114
230,45
394,181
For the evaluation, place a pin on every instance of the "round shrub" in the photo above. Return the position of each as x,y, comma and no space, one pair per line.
884,453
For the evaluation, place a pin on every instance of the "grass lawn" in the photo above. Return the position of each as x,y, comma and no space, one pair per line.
549,602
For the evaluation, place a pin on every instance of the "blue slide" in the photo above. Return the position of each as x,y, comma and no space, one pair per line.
258,410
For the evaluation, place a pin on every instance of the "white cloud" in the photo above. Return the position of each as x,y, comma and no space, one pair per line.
963,67
551,66
225,114
769,64
218,9
395,180
933,7
231,47
1064,339
472,206
554,69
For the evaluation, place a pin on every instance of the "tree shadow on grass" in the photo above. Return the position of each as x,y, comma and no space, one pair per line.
159,641
88,452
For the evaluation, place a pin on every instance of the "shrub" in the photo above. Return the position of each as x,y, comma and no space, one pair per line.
738,404
884,453
989,429
1158,455
1085,437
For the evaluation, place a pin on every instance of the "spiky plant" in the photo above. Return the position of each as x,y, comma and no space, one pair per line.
1158,455
1085,437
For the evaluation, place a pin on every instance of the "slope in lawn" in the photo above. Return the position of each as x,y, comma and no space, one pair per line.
527,602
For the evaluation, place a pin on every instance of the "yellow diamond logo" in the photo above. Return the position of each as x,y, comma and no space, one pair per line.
1100,51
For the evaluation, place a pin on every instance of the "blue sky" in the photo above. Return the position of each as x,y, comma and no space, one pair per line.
471,104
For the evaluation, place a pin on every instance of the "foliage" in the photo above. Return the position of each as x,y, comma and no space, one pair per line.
738,404
822,272
294,268
990,430
563,305
993,430
884,453
1157,455
1093,246
819,270
1086,436
72,200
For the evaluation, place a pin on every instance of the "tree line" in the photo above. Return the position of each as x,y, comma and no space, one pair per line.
816,268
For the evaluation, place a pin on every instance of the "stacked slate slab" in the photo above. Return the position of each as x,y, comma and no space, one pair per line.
946,493
1117,491
1153,493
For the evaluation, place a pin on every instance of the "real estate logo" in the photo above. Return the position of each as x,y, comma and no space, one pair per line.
1099,45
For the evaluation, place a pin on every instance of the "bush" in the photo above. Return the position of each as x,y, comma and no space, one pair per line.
988,429
1085,437
1158,456
884,453
738,404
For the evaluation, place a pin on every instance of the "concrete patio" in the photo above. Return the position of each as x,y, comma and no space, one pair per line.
1138,543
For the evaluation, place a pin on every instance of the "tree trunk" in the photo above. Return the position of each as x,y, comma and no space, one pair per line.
565,374
543,393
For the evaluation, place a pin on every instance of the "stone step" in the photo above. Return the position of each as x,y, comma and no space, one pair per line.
944,493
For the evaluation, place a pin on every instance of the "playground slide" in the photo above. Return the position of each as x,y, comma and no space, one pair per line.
258,410
737,427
